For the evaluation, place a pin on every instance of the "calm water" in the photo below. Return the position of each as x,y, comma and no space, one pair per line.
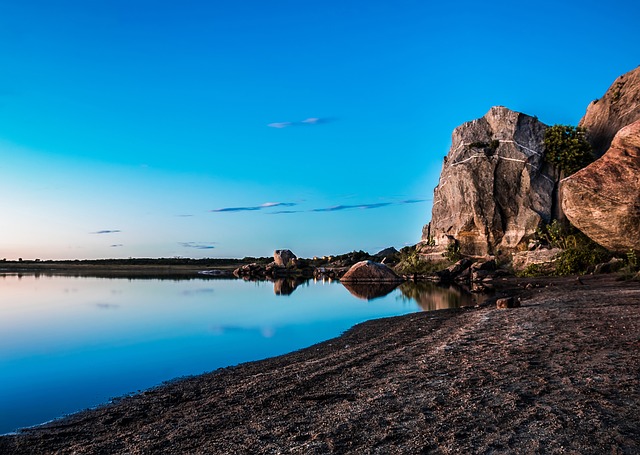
68,343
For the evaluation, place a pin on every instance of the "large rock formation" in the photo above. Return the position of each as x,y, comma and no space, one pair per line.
619,107
603,199
495,188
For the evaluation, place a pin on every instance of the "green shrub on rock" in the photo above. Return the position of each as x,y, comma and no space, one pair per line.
411,263
567,148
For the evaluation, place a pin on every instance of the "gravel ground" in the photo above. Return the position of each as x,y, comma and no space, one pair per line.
561,374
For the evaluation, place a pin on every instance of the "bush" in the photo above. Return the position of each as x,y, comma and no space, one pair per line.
534,270
580,259
452,252
411,263
567,148
631,269
579,253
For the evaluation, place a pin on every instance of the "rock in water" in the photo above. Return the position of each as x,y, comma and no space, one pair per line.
619,107
495,188
603,199
370,271
282,258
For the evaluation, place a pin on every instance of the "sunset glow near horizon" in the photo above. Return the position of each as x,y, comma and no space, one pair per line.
227,129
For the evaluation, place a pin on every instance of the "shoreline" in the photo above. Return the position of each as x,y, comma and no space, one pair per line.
557,373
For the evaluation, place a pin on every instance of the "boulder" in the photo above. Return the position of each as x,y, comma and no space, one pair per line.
370,271
450,273
283,258
495,187
603,199
619,107
507,302
543,258
614,265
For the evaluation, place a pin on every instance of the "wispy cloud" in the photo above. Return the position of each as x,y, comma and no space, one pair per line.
266,205
106,231
197,245
280,212
413,201
337,208
184,216
279,124
306,122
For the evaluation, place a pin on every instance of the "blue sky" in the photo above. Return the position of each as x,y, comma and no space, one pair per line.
126,126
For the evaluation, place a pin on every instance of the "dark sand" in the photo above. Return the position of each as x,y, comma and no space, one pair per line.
561,374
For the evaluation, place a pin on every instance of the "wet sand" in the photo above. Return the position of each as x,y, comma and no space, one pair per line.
561,374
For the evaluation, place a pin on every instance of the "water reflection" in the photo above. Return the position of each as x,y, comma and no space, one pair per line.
67,342
286,286
431,296
369,291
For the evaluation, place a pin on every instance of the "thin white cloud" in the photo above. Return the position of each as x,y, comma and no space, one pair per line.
197,245
266,205
308,121
279,124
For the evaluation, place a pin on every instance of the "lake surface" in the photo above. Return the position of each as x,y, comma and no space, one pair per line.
69,343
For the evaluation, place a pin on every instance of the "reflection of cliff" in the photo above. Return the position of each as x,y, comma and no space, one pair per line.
430,296
369,291
286,286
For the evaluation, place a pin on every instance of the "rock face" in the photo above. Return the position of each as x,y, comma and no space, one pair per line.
282,258
603,199
370,271
495,188
619,107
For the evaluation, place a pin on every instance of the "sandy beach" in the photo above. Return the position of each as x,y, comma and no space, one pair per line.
560,374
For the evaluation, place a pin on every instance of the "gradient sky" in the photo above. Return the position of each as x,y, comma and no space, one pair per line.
232,128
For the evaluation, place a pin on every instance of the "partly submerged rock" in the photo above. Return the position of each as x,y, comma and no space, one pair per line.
603,199
495,188
619,107
370,271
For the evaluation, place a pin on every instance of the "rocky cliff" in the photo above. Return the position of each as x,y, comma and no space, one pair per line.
619,107
603,199
495,188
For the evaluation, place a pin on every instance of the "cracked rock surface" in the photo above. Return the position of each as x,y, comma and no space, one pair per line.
495,187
